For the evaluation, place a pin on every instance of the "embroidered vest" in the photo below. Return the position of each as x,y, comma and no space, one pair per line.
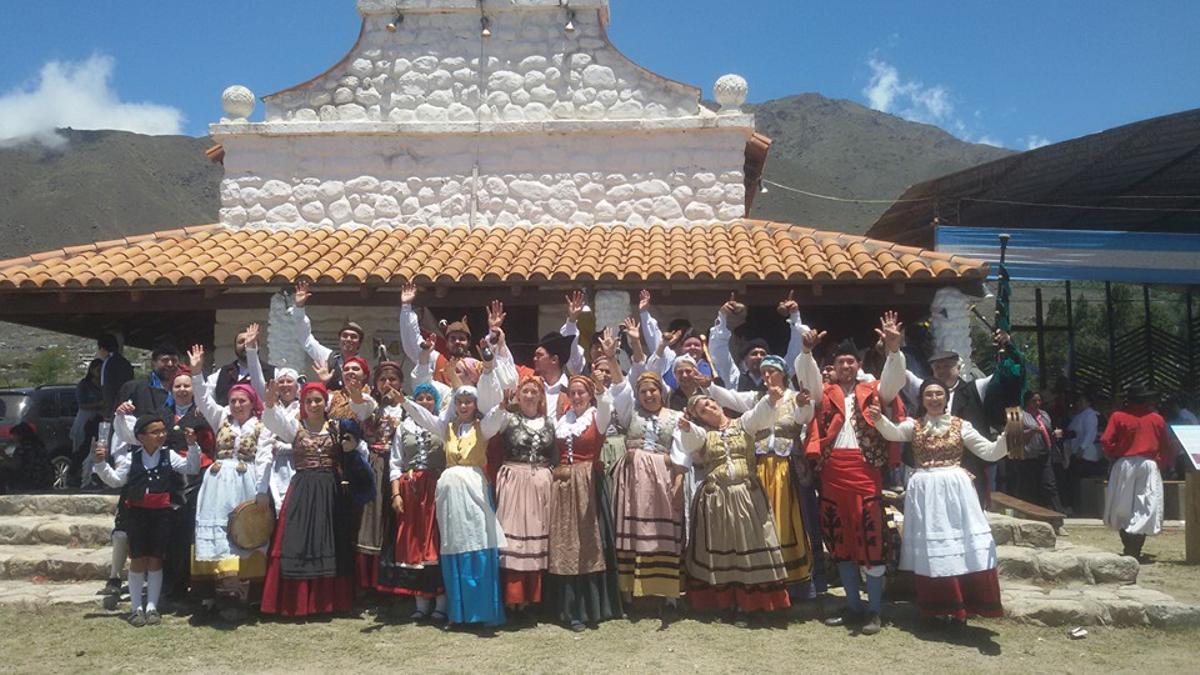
465,450
523,443
150,487
230,446
652,432
315,450
930,450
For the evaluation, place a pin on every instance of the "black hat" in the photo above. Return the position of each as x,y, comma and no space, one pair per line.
847,348
557,344
680,325
146,420
1140,393
943,355
756,343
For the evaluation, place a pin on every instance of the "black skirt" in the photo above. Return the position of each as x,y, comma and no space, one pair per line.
149,531
318,532
595,597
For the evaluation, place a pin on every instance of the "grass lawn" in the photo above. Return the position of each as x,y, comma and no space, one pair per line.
83,639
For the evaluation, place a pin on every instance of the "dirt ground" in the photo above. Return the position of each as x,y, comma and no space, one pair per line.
77,639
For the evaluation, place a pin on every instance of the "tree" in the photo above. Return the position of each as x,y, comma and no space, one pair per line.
51,366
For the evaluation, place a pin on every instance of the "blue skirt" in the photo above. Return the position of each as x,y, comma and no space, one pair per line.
473,587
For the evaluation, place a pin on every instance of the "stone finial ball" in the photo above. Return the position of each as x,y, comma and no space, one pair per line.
237,101
730,91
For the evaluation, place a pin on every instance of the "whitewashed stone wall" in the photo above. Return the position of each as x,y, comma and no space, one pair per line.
637,179
433,124
950,323
437,68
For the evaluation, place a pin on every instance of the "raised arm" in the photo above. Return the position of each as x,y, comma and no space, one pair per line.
276,420
494,422
264,458
764,414
895,368
410,324
796,330
737,401
719,337
123,428
805,366
434,424
491,394
604,409
989,451
115,475
688,443
900,433
213,412
623,403
575,305
257,379
315,350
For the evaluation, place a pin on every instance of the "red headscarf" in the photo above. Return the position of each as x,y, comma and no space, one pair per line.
362,364
256,404
311,386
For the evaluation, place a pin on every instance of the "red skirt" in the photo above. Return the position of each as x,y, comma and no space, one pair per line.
367,570
408,563
976,593
301,597
764,597
852,523
521,587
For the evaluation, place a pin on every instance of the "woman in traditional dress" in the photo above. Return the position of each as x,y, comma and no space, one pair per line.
582,587
522,483
773,451
311,567
243,454
376,523
408,562
733,556
471,536
288,391
947,540
647,494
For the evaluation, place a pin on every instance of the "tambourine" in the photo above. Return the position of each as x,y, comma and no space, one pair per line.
251,525
1014,432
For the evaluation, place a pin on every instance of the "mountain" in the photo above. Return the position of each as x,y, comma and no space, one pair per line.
103,185
840,148
108,184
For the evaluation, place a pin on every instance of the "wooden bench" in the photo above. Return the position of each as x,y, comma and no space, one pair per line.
1024,509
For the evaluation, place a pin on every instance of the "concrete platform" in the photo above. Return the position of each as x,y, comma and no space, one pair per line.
55,563
80,504
15,592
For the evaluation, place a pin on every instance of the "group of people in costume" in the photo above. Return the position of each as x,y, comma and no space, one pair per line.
648,472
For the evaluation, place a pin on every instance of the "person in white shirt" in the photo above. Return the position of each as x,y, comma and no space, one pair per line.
1082,443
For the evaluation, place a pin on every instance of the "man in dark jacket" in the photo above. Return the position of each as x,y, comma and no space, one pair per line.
236,371
150,393
115,371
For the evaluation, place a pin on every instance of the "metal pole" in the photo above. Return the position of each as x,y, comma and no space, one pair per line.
1149,335
1191,340
1112,339
1041,341
1071,356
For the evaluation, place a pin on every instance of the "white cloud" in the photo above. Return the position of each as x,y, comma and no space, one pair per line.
78,95
887,92
1033,141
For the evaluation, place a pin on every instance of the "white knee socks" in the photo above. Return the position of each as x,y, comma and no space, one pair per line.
136,582
154,583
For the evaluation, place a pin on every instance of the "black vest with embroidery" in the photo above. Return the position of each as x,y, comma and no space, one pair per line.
143,482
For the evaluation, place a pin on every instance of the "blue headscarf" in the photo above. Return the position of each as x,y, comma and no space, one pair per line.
428,388
775,362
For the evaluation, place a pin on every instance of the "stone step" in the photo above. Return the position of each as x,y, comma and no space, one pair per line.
1010,531
41,594
55,563
86,531
1066,564
62,504
1106,605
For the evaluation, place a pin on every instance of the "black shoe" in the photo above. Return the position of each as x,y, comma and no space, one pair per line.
137,618
846,618
667,615
152,617
111,587
577,627
740,620
872,626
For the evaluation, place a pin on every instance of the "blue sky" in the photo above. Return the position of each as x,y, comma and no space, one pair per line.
1015,73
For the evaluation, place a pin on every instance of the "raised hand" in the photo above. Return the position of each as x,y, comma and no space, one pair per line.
408,293
632,330
575,304
643,300
731,305
495,315
322,372
812,338
271,394
1002,339
684,424
196,358
788,305
803,398
100,454
251,336
609,342
126,408
303,293
873,412
889,331
775,391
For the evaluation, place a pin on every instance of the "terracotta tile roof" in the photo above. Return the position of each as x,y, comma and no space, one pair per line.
745,251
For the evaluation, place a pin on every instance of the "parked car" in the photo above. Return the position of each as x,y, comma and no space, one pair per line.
35,437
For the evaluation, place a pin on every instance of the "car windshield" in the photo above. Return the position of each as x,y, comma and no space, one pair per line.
12,407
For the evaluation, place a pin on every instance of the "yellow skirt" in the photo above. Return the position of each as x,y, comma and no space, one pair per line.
774,473
648,575
252,568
